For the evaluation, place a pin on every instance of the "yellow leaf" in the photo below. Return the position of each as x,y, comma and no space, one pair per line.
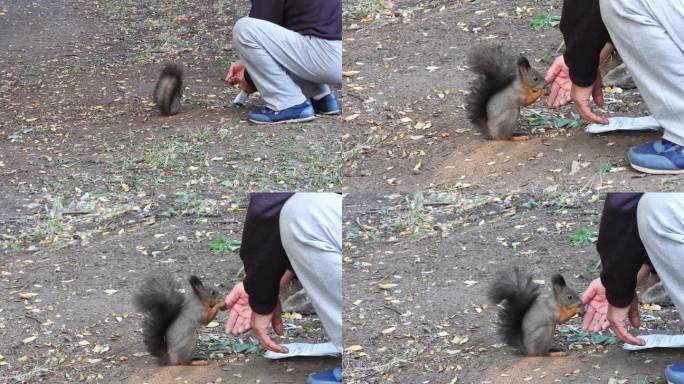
354,348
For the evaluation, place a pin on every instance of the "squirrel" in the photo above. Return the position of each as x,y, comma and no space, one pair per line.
172,318
528,318
504,84
169,90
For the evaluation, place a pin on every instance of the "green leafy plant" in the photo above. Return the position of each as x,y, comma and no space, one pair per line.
224,244
544,20
212,344
584,236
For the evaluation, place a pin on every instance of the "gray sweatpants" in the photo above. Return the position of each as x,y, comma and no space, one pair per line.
650,38
660,219
311,233
286,67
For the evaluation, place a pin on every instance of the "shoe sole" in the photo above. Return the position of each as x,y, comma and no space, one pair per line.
657,171
328,113
301,120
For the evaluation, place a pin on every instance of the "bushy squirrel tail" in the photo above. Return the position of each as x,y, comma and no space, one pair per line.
496,70
519,293
169,86
161,302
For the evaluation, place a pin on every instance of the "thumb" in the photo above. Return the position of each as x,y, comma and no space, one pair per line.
588,295
553,71
232,297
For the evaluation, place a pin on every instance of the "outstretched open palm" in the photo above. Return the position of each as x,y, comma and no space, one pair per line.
240,312
594,297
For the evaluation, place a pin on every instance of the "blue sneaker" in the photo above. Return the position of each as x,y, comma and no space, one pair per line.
297,114
328,105
661,157
325,377
674,373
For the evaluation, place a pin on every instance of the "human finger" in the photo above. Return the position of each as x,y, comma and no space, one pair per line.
634,317
233,297
243,325
597,94
553,94
553,71
588,318
232,320
588,295
277,325
587,113
266,341
622,333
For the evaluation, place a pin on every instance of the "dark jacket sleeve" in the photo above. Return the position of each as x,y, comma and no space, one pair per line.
262,252
269,10
585,35
620,247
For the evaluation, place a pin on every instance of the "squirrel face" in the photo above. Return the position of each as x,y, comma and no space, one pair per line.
568,301
534,84
206,295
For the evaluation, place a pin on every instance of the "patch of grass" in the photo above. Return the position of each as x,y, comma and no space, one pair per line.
584,236
173,155
575,335
414,216
544,20
225,62
224,244
220,45
603,169
364,8
193,203
538,120
213,344
166,42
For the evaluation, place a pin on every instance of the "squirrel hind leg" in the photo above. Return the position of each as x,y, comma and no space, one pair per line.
201,362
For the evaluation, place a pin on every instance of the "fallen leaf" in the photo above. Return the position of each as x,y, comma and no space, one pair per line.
28,339
354,348
386,286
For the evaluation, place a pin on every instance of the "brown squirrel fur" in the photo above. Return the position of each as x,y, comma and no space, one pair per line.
169,90
528,319
172,319
504,84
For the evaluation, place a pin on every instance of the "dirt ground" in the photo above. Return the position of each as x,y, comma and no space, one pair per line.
98,190
416,270
433,209
405,126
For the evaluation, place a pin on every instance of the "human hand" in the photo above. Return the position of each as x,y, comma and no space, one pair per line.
594,298
617,316
240,312
580,96
236,76
260,325
558,76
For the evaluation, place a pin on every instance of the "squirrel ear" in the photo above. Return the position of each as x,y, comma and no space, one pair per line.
558,281
523,62
196,284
